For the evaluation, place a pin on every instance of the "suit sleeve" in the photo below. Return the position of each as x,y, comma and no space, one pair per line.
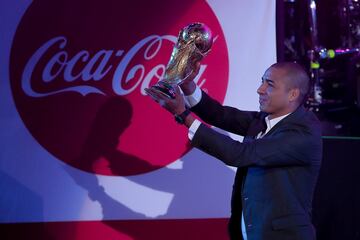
287,147
227,118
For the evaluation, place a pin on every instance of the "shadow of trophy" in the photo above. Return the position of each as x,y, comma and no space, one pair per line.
193,44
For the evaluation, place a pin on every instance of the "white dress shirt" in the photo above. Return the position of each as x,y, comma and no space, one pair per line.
193,99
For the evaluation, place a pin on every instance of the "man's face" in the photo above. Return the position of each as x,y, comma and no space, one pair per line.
274,93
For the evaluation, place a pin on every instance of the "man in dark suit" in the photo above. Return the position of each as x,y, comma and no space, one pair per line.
278,161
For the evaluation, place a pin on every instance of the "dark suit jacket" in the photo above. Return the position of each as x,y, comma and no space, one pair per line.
276,174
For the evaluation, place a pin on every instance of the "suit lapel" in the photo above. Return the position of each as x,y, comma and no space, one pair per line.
296,115
256,127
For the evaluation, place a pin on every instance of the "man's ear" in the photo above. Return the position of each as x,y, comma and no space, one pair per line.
294,94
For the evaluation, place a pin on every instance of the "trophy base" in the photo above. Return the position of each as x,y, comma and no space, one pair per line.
165,89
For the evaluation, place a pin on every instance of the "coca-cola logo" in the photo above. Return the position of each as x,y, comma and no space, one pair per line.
78,71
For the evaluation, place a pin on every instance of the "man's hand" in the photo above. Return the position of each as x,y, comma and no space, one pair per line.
174,106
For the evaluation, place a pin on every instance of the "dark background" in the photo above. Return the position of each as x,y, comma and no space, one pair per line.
338,27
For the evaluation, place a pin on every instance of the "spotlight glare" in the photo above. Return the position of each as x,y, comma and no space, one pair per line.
313,5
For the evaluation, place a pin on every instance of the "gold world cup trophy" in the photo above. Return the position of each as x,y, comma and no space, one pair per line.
193,44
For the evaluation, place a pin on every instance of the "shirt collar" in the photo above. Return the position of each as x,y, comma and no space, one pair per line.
271,123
